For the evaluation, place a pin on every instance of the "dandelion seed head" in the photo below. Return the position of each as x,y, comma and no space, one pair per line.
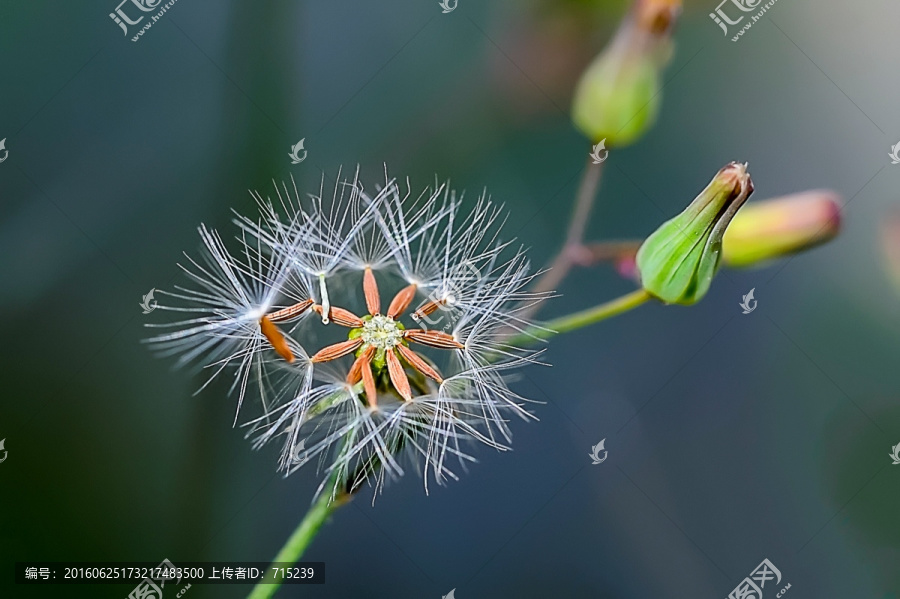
387,396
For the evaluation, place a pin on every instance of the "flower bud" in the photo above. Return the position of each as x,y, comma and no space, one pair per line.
781,226
890,247
678,261
617,98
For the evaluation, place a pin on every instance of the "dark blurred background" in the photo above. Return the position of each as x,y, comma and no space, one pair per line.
732,438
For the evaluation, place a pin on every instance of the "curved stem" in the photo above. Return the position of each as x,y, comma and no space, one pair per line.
584,202
584,318
302,536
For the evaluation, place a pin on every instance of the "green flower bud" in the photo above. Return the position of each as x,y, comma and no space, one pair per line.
678,261
617,98
616,104
781,226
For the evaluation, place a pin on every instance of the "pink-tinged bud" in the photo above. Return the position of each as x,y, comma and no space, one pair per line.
781,226
890,248
627,268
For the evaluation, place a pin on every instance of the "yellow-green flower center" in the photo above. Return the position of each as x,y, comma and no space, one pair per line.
381,332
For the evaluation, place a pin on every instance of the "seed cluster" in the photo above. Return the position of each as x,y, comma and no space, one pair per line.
382,332
438,387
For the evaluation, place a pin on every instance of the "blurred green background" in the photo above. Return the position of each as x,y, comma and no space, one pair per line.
732,438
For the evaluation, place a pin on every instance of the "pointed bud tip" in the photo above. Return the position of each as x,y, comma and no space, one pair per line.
658,17
736,176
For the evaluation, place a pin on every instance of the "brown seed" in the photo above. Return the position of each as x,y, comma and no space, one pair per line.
276,338
333,352
427,309
398,377
356,370
370,289
345,318
418,363
437,339
369,384
291,311
401,301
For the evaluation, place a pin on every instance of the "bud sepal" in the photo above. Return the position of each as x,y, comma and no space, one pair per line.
679,260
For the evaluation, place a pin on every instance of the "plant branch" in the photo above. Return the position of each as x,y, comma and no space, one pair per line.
578,320
569,255
609,251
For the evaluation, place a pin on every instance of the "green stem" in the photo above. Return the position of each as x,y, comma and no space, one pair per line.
579,320
303,535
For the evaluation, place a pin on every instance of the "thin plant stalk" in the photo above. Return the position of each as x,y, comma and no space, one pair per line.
610,251
584,318
303,535
584,203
